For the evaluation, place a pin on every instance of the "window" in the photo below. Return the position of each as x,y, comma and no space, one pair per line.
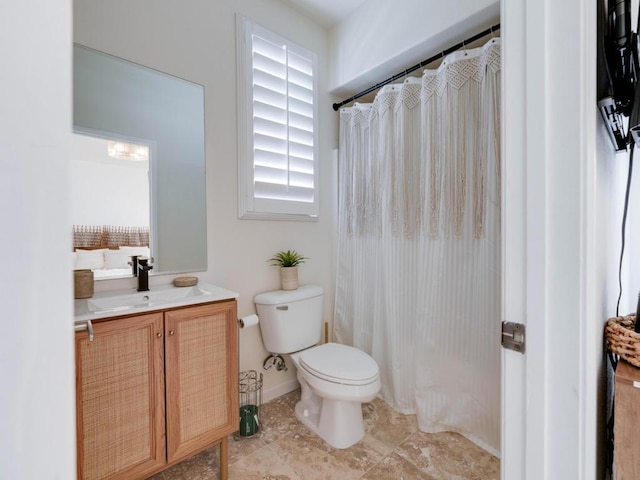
277,134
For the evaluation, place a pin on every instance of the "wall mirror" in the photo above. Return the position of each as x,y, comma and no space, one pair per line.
153,194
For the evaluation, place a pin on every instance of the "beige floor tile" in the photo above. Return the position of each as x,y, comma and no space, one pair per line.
300,439
394,467
203,466
386,425
449,456
362,456
289,399
263,464
313,458
392,449
316,465
278,419
239,447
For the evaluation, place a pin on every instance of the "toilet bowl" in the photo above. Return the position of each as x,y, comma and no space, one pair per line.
335,379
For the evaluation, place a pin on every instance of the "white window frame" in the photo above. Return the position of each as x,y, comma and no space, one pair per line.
250,207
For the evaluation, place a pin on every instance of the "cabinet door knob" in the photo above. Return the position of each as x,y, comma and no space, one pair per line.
171,332
159,335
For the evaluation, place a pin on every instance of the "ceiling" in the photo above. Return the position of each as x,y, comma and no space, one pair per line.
327,12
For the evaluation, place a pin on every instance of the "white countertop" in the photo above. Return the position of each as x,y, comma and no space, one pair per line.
126,302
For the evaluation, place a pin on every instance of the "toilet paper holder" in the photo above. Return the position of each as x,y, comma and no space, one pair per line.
248,321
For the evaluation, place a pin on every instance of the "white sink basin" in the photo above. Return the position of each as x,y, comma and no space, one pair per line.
139,299
123,302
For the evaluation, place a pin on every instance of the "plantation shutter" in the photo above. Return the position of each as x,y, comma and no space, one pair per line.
283,135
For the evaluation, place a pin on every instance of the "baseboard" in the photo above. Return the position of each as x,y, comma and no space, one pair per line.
279,390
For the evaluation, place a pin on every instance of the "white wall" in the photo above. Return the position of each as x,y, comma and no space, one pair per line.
195,40
610,184
631,272
380,38
611,179
37,414
105,190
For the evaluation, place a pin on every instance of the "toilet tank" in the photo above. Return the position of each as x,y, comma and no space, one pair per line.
290,320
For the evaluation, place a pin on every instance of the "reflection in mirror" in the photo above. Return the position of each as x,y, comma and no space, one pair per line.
123,101
110,203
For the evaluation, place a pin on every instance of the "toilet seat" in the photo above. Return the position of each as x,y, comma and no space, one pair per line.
341,364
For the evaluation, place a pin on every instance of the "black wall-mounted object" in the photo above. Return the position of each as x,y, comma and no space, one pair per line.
617,70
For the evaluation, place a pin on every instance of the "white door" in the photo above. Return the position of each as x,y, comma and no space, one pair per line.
513,236
549,419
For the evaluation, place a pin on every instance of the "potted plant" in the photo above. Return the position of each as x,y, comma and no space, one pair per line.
288,262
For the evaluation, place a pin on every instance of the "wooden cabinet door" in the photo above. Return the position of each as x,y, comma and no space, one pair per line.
120,398
201,351
626,422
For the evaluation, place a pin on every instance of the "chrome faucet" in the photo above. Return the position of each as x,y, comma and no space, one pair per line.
142,268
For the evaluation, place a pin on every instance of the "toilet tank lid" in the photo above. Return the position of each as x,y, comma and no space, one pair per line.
278,297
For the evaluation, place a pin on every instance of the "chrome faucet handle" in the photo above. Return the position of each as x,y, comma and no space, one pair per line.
144,265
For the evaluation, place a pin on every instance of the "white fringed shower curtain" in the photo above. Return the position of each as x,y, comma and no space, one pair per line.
418,275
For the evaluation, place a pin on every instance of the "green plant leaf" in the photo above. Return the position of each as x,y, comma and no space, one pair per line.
290,258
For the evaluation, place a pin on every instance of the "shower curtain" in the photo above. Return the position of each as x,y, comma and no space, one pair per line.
418,275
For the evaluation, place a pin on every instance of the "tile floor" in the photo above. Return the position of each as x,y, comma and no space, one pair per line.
392,449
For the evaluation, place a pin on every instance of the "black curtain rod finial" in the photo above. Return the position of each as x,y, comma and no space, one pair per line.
424,63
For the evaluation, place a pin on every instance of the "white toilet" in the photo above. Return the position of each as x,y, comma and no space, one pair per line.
335,379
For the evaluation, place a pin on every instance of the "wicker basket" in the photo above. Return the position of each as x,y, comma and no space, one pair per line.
622,338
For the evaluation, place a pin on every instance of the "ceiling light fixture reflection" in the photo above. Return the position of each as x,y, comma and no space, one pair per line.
128,151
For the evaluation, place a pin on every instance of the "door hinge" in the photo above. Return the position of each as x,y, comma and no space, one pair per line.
513,336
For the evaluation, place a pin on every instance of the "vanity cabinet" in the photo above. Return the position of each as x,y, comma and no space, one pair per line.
154,389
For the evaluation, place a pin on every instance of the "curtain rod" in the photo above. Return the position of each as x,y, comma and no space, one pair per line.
424,63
